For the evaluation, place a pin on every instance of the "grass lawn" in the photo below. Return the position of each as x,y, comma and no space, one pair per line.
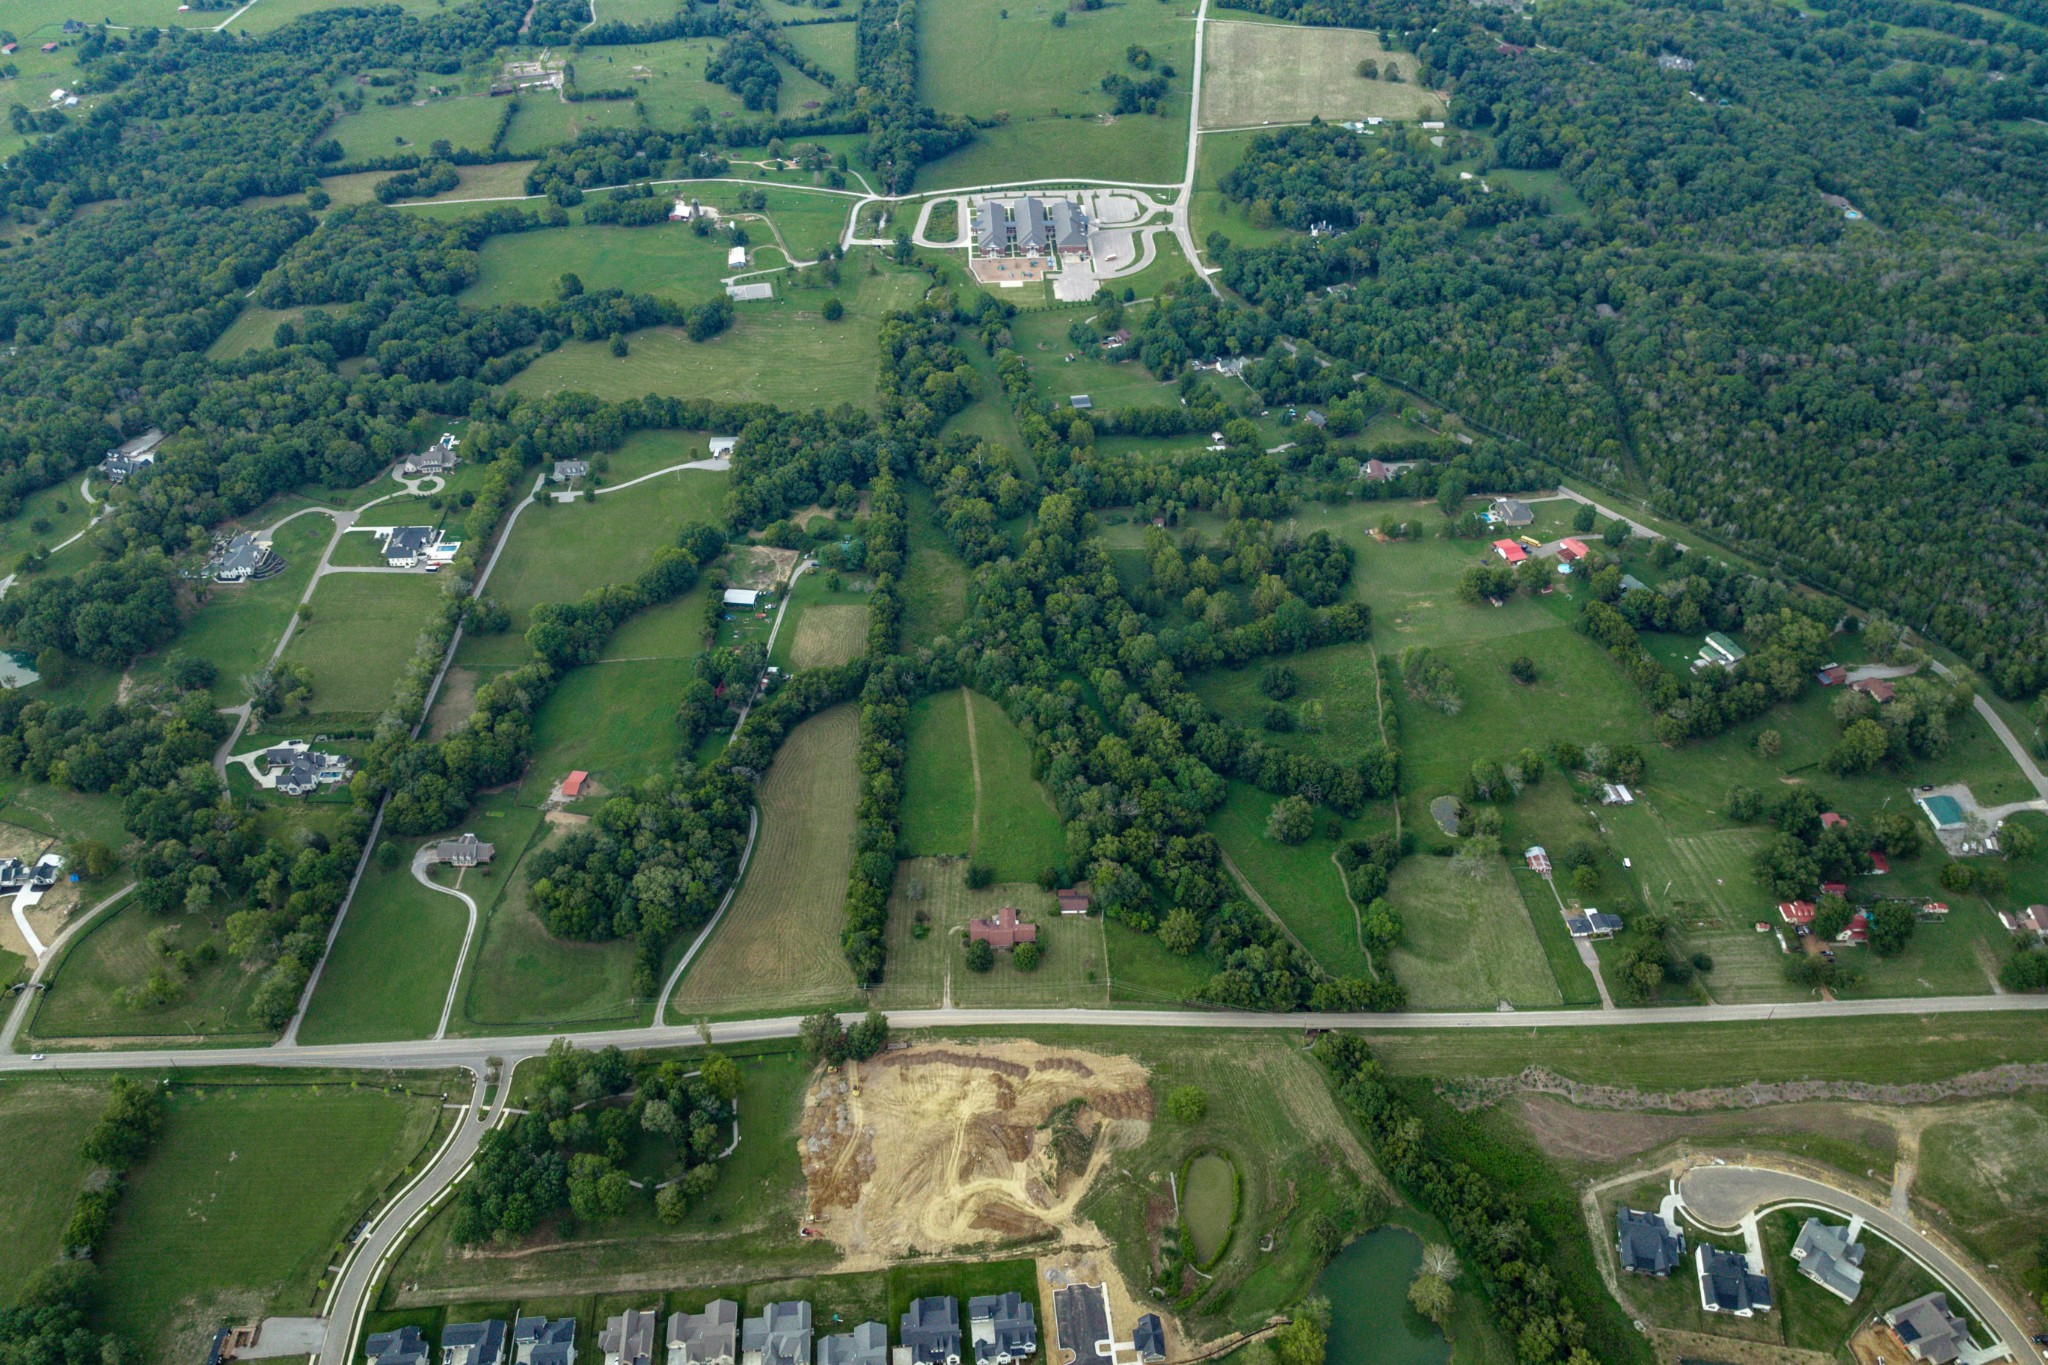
968,789
560,551
1274,73
670,262
1469,944
1144,973
1300,882
1041,339
927,935
212,1005
380,130
1219,155
387,975
544,121
42,1124
359,630
648,452
614,720
61,813
934,581
1973,1164
829,45
267,1177
668,79
781,350
268,15
1341,677
254,329
821,627
778,945
47,516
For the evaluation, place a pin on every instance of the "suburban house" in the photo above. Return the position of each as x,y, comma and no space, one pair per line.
867,1344
1025,225
403,1347
565,470
2032,920
1510,551
297,770
1832,675
1149,1339
574,783
1796,912
1648,1245
1072,901
1728,1285
628,1338
1376,470
1878,690
1538,859
1592,924
468,851
707,1338
15,875
1002,930
438,458
246,559
931,1331
1720,652
1858,929
1928,1330
741,597
1828,1256
406,546
544,1341
1570,550
1003,1328
122,462
473,1343
780,1336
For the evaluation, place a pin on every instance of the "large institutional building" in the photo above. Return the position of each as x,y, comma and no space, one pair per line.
1024,225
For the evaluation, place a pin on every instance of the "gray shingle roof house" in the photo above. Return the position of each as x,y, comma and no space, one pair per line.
707,1338
1728,1285
13,874
1149,1337
473,1343
867,1344
468,851
1826,1256
1025,225
1003,1328
1647,1244
566,470
297,770
245,559
404,546
437,458
1512,512
1929,1329
544,1341
780,1336
122,462
628,1339
931,1329
403,1347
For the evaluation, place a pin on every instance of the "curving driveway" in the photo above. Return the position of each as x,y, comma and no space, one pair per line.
421,861
1724,1197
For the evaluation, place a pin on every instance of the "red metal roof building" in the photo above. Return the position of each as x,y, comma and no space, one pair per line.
1511,552
1571,550
1796,912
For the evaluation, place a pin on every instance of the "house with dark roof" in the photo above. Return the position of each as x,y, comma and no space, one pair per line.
707,1338
1592,924
2032,920
1149,1339
544,1341
245,559
1072,901
565,470
468,851
867,1344
403,1347
1647,1244
296,770
931,1330
1828,1256
1879,690
1928,1330
1002,1327
781,1335
406,546
473,1343
628,1338
1728,1285
1002,929
1831,675
1026,225
121,463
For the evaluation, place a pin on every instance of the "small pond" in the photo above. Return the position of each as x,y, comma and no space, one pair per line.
1209,1204
1370,1320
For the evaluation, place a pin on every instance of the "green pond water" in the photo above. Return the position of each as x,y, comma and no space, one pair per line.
1370,1320
1210,1203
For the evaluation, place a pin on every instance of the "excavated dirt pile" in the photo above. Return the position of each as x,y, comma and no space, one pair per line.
930,1148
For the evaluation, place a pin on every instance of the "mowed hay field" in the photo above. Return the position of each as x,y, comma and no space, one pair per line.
1469,942
42,1123
778,946
968,789
1273,73
358,634
245,1200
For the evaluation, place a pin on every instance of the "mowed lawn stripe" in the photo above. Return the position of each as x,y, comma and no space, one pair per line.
388,972
778,946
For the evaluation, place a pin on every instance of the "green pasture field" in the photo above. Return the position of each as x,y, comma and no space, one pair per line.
968,789
780,350
59,507
43,1122
560,551
1146,148
934,581
212,1006
523,976
1218,156
1973,1166
1468,944
634,11
673,630
237,625
545,121
820,627
745,1229
1143,972
60,813
380,130
254,329
615,720
923,968
829,45
667,79
359,631
387,975
1341,677
1041,339
36,22
778,946
668,261
1301,883
266,1177
1273,73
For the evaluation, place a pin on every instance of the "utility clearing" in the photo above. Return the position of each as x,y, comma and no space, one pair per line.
932,1148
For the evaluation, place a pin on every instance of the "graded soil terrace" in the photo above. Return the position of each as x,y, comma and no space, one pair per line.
935,1148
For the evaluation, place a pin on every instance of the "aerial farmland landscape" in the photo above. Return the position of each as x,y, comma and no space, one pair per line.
980,682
